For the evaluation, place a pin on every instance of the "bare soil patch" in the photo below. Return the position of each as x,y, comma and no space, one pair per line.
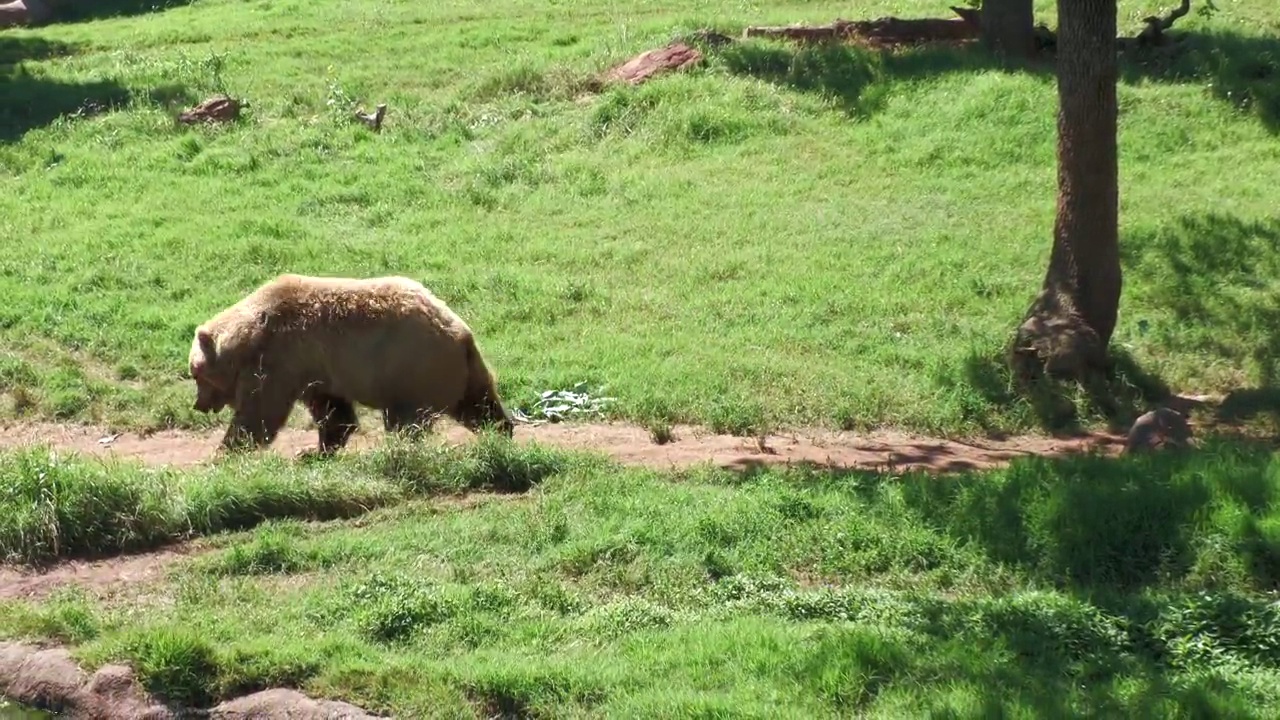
629,444
879,450
97,575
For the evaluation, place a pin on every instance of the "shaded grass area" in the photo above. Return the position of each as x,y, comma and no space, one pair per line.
1217,279
100,9
32,98
1242,69
785,237
1139,585
1239,68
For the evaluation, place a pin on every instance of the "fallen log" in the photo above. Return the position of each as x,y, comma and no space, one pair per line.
967,26
885,31
881,32
1153,35
220,108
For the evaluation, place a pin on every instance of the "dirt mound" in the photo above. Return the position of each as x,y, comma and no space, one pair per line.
881,450
50,679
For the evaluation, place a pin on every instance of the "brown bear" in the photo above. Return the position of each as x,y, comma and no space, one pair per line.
385,343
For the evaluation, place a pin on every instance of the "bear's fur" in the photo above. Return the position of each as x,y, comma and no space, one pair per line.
385,343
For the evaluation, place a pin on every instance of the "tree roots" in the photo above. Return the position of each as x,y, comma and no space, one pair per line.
1055,341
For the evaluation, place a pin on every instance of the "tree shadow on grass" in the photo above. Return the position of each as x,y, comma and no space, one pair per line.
1067,659
30,100
1095,525
1127,542
1116,398
99,9
1036,653
1244,70
1215,271
842,72
14,50
1240,406
1102,525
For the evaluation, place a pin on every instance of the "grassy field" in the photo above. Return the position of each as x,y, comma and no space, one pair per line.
782,237
824,237
1052,589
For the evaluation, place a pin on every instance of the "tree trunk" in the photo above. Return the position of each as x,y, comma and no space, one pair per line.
1007,27
1070,323
23,12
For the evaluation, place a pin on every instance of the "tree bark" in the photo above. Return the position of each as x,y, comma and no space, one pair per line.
1070,323
1007,27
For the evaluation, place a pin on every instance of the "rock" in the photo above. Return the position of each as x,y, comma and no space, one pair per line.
282,704
1159,428
50,679
676,56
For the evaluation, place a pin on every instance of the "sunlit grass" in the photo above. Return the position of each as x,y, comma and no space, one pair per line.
819,237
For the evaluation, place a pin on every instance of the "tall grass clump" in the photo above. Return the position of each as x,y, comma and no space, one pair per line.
490,462
56,506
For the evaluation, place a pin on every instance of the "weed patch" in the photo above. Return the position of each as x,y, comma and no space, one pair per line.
176,665
66,506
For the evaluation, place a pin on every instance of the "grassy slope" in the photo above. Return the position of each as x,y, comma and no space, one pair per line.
1051,589
847,243
1139,586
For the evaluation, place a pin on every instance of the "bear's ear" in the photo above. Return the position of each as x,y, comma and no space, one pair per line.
207,345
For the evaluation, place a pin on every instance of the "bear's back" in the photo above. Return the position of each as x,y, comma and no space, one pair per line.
294,302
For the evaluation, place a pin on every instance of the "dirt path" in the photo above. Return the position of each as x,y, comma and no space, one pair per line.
626,443
104,574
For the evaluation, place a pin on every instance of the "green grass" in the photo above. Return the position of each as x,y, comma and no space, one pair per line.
780,238
1053,588
783,237
54,507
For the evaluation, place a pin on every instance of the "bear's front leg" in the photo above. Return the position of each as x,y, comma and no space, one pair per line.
484,411
335,419
262,407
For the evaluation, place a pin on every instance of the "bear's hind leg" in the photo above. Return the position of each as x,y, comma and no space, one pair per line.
335,419
407,420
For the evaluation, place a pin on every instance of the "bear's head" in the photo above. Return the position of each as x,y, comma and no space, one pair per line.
215,381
